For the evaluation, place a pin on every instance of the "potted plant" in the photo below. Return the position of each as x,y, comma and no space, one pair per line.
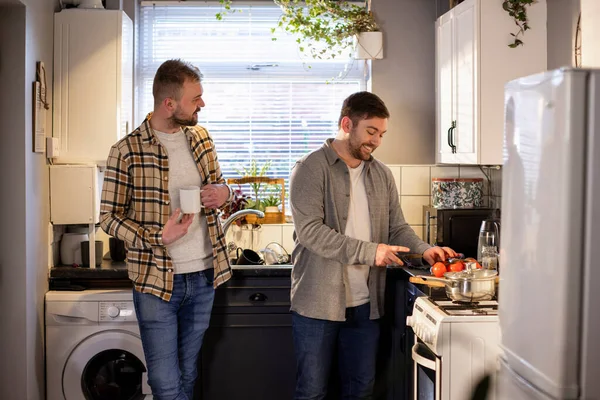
517,10
271,204
239,202
327,28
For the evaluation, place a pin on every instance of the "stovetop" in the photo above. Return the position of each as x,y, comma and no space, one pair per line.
450,307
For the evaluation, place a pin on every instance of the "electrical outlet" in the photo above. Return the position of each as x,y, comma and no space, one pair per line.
52,147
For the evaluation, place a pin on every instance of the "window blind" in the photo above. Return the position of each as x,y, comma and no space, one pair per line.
264,99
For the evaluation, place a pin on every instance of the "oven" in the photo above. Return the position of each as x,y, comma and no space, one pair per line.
455,345
427,373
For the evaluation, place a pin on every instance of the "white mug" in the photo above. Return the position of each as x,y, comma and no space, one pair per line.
190,200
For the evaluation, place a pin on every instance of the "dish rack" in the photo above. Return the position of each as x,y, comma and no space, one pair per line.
270,218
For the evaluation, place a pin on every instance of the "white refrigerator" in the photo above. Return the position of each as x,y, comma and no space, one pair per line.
549,293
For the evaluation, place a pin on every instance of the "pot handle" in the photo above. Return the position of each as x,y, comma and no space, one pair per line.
436,279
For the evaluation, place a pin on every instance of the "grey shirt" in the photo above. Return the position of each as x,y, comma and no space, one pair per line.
319,199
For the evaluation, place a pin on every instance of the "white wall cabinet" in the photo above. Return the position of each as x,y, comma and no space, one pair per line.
473,63
93,82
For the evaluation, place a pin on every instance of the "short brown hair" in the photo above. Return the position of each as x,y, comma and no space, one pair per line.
170,77
363,105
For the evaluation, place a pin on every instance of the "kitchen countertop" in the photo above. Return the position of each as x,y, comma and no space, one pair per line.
107,270
118,270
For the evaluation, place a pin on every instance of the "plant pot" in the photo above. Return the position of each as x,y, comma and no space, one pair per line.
251,219
271,209
369,46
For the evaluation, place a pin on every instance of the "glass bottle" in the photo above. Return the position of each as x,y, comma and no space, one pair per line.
489,257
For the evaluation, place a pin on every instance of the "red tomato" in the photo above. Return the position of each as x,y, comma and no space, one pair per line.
457,266
438,269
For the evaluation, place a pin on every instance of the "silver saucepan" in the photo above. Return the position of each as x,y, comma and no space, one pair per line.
469,285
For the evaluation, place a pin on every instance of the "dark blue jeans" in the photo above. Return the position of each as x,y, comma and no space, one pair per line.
172,333
315,342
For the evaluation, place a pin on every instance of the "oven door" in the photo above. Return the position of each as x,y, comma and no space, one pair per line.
427,373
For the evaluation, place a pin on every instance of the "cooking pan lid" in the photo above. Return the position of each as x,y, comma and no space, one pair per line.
471,274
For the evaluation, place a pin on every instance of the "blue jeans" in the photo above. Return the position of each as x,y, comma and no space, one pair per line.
172,333
315,342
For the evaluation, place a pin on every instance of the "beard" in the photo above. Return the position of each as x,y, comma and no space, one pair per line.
179,118
356,148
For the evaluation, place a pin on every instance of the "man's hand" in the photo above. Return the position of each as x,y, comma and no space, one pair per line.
175,230
435,254
386,255
213,195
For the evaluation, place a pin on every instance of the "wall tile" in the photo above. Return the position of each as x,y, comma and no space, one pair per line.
287,239
416,181
419,229
266,234
444,172
241,236
495,201
396,172
496,178
412,207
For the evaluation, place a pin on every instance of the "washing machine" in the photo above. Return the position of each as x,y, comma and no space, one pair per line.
93,347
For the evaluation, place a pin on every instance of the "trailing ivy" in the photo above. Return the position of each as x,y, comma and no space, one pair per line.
517,9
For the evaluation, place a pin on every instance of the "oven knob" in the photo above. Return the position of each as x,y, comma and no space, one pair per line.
427,336
417,329
113,311
410,321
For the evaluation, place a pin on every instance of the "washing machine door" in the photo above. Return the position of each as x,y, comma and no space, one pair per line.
106,365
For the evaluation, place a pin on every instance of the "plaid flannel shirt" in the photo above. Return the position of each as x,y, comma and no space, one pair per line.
135,205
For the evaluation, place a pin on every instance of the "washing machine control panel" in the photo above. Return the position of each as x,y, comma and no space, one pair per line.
117,311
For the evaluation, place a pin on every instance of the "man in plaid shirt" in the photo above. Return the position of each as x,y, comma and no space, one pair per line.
175,261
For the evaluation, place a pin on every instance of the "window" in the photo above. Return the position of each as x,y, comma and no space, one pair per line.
263,100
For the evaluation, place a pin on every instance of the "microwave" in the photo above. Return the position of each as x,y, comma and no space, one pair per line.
457,228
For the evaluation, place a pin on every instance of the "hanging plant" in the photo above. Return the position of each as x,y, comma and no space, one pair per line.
227,9
517,9
325,28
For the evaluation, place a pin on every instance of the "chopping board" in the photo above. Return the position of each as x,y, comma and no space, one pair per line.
418,280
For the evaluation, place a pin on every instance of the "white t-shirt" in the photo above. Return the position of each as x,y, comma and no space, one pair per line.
358,226
193,252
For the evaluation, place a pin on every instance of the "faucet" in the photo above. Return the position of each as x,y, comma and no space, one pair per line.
239,214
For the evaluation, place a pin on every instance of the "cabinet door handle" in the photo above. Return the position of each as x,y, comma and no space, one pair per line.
451,138
258,297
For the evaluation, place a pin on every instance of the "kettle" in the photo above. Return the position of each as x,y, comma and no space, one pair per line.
489,236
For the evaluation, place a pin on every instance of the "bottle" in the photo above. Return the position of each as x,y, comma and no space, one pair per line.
489,257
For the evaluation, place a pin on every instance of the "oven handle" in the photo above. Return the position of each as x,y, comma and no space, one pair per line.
428,363
421,359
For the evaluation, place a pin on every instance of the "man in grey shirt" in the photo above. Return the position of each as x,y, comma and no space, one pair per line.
348,228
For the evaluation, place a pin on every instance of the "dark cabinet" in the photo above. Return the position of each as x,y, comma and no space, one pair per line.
248,351
394,368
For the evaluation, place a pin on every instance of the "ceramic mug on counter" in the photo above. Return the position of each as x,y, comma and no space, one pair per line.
85,253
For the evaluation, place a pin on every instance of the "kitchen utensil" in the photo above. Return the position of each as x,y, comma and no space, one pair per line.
469,285
248,257
489,235
117,249
411,260
456,192
420,281
85,253
70,250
